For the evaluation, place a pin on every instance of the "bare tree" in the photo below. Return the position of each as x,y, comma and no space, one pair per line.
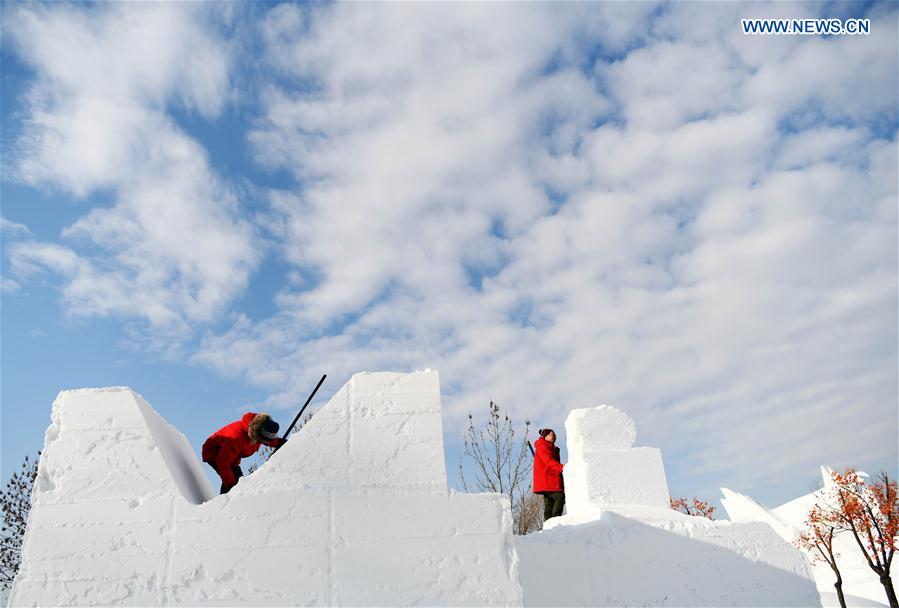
528,516
502,464
15,502
266,452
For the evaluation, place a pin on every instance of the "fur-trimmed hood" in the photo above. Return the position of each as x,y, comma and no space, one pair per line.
255,425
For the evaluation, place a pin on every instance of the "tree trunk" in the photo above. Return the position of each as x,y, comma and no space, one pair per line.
839,587
887,583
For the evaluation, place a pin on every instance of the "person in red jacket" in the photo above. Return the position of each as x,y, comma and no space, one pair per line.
224,448
548,479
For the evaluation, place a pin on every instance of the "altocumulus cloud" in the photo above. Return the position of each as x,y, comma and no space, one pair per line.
555,206
173,247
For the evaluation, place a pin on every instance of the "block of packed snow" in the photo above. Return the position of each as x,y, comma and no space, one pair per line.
102,424
353,510
110,472
600,428
603,468
620,543
378,434
628,477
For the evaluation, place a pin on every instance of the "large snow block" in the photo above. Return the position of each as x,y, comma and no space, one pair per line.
92,430
603,470
600,428
380,432
629,477
354,510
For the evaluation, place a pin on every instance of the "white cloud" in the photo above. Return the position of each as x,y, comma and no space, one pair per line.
826,74
730,285
89,290
432,128
102,74
173,249
9,286
660,87
838,144
11,229
30,257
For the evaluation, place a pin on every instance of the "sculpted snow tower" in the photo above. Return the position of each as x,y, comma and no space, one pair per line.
603,466
620,544
353,510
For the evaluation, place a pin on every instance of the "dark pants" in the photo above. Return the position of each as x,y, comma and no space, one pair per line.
238,473
553,503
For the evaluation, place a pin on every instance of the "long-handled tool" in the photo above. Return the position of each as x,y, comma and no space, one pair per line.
530,447
303,409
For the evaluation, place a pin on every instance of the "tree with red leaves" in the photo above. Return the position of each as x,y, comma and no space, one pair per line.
698,508
870,512
817,538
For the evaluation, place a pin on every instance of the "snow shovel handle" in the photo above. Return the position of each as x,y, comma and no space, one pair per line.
303,409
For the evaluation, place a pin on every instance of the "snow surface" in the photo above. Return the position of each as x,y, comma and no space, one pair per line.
622,545
353,510
861,586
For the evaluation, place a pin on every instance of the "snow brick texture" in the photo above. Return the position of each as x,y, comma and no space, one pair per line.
354,510
620,544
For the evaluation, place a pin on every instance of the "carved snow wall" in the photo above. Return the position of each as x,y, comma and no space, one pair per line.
354,510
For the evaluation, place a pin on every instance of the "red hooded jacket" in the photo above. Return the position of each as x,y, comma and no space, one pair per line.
547,468
228,445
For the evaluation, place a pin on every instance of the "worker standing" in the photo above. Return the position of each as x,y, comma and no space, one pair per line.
548,479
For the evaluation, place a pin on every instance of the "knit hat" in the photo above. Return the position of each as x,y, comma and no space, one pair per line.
262,428
269,429
544,432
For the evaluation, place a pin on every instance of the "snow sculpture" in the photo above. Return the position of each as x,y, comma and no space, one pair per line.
353,510
604,469
620,544
860,584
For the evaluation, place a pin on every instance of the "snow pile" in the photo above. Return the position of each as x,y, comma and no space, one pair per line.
353,510
861,586
621,545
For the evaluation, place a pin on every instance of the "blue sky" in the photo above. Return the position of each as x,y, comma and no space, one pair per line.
555,206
